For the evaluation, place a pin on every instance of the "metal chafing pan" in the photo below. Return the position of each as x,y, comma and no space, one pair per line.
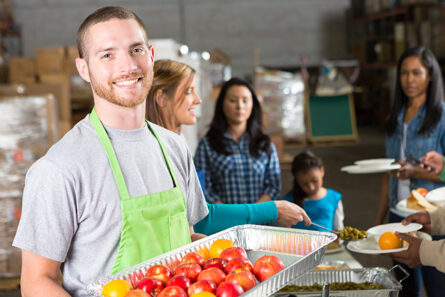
300,250
376,275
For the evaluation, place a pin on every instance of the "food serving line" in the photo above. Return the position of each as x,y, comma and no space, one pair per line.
302,252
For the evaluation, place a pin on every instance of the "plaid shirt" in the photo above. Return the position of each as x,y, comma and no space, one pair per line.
238,178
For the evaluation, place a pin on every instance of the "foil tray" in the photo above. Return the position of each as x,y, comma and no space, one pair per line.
300,250
376,275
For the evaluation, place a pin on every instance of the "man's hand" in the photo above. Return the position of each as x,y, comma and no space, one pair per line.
411,256
434,159
289,213
422,218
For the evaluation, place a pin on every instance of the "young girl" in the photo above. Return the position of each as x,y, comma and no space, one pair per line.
322,205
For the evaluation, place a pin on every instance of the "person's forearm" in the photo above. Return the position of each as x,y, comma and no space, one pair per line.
423,174
432,253
41,287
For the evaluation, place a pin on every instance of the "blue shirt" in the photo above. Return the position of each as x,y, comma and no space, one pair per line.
416,145
239,177
321,211
223,216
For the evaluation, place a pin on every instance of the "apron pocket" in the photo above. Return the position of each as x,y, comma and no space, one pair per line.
179,230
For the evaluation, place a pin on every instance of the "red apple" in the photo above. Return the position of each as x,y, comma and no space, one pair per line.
190,270
180,281
202,286
266,266
172,291
137,293
242,277
226,289
151,285
233,253
193,257
238,263
160,272
215,262
214,274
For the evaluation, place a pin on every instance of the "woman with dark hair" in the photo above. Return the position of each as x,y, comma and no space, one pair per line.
171,103
323,205
239,161
415,126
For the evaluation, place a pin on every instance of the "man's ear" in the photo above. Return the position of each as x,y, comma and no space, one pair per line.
152,53
161,98
82,68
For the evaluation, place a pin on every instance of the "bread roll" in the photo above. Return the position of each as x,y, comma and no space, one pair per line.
418,202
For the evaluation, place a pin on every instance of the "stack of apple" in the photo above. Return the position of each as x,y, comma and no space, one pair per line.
226,273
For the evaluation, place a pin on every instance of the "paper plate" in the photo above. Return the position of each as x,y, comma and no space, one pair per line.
374,162
371,246
402,206
392,227
436,195
357,169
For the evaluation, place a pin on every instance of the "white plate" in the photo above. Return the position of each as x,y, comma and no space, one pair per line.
371,246
436,195
392,227
402,205
374,162
357,169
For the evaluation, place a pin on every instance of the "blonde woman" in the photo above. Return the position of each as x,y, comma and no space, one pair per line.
171,103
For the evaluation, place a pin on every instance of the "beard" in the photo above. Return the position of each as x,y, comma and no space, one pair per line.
108,92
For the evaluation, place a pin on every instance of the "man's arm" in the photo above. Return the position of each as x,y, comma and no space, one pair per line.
39,276
195,236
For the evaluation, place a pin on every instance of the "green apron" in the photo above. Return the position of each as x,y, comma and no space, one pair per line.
152,224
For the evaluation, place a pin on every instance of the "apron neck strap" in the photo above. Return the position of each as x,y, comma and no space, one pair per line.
164,152
117,172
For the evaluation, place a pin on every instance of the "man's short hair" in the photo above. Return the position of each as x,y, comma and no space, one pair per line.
102,15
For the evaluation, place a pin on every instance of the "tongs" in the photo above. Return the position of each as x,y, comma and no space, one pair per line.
329,230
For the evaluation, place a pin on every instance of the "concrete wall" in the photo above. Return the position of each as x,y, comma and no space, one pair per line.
280,29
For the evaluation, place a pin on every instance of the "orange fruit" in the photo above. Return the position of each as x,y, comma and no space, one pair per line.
203,294
204,252
422,191
389,241
116,288
218,246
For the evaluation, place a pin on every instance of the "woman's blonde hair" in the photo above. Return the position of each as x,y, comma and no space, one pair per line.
167,75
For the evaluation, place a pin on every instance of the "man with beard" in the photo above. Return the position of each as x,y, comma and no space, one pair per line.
116,190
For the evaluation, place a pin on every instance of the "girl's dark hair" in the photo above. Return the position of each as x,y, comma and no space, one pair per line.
258,141
302,163
434,96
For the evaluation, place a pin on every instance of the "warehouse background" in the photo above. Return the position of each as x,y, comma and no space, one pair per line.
282,30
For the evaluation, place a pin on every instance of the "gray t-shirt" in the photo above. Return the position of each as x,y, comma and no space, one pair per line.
71,205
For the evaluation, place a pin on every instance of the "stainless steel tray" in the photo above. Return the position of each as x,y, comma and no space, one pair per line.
376,275
300,250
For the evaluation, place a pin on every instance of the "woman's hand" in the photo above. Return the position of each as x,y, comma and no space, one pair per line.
404,172
290,214
434,159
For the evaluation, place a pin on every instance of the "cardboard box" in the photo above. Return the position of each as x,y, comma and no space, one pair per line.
50,60
69,63
22,70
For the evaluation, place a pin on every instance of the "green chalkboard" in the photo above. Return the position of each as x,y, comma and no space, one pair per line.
331,117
